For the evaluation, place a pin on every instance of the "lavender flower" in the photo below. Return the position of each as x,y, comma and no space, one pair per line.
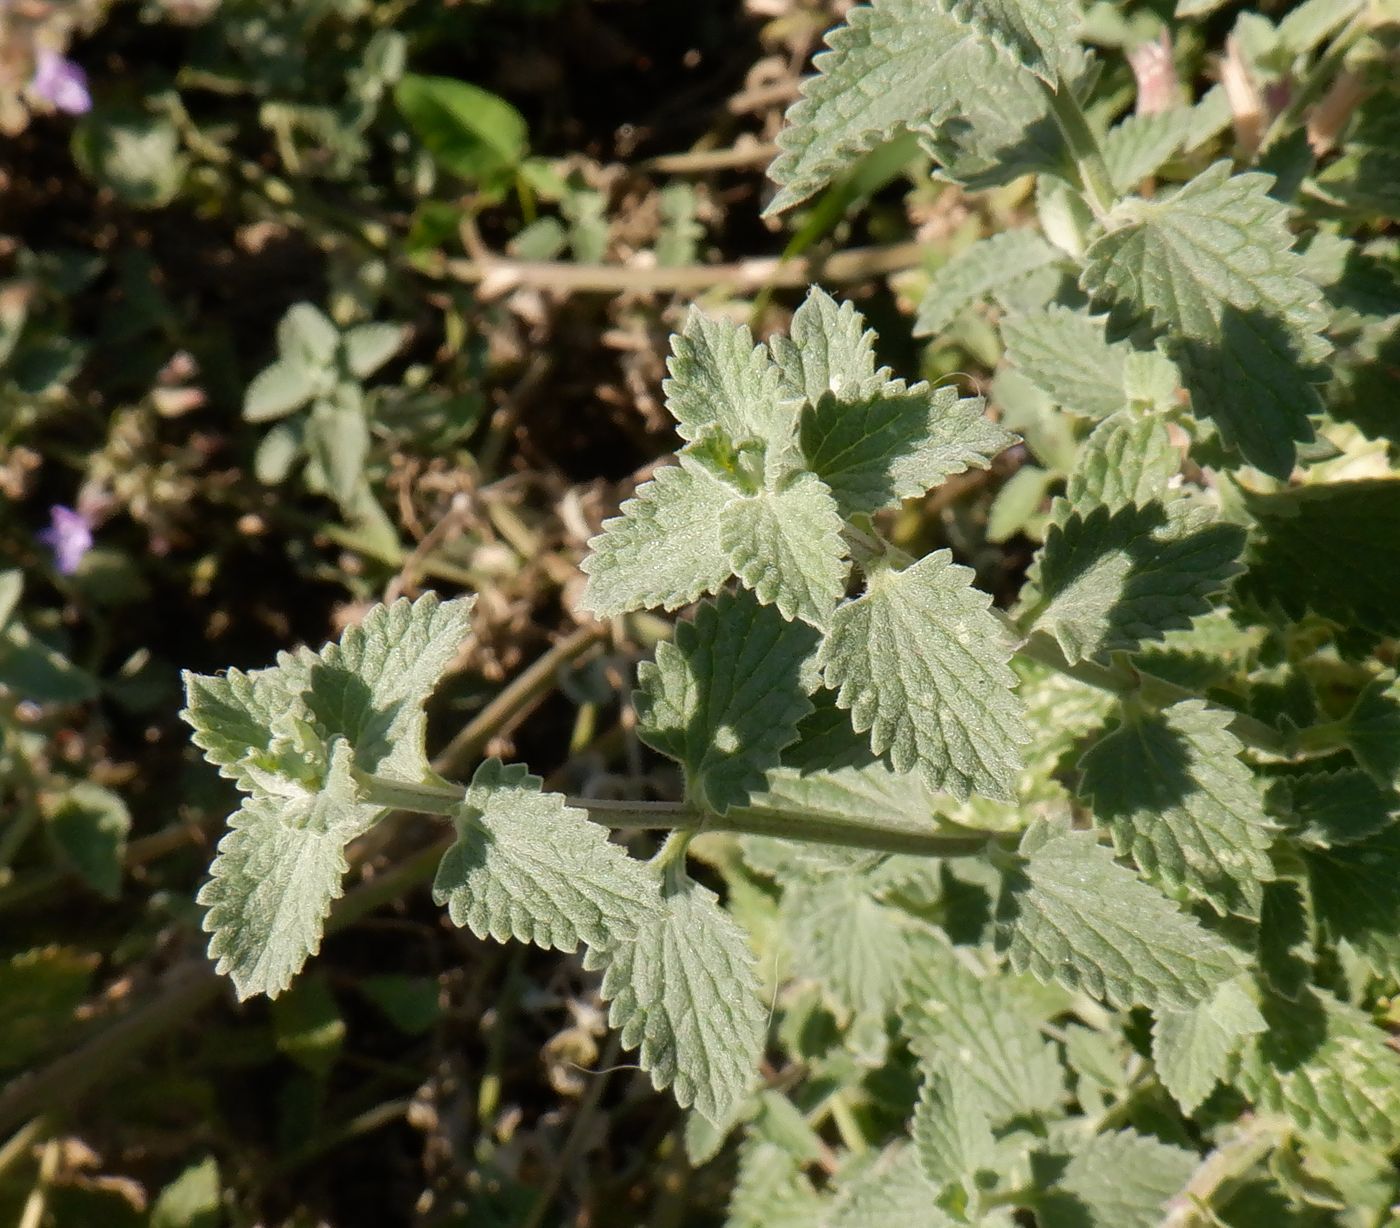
61,83
69,536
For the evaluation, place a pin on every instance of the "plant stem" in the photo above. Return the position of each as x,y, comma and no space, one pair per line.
1317,79
1222,1169
1083,148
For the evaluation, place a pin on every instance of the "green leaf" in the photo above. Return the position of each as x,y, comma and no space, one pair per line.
951,1130
786,546
307,338
369,346
828,352
903,65
1194,1050
51,982
1286,941
337,441
135,156
278,390
847,941
1313,550
1128,460
683,989
1112,580
1035,34
984,1026
308,1027
890,1192
31,668
664,550
90,825
1075,915
527,866
1066,354
978,270
469,131
1212,265
1356,895
721,380
1372,730
895,443
1326,809
1139,145
724,698
1171,788
239,718
1328,1067
1119,1180
921,664
872,791
192,1200
1363,179
771,1190
277,872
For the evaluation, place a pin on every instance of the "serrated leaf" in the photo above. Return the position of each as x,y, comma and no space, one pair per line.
951,1130
236,716
306,336
786,546
1112,580
721,380
1212,265
1372,730
984,1026
1326,809
371,686
664,549
1074,915
725,697
978,270
906,65
872,791
1285,943
1313,550
277,872
1328,1067
847,941
1363,179
1194,1050
1118,1180
828,351
1172,790
529,867
921,664
369,346
771,1190
683,989
826,742
890,1191
1128,460
1067,355
896,443
1139,145
278,390
1356,895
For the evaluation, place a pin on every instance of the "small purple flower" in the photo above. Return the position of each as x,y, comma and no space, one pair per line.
69,536
62,83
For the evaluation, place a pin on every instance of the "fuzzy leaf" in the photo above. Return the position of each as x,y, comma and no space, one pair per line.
1139,145
1195,1049
1128,460
1067,355
664,550
1119,1180
276,874
725,697
89,824
951,1130
529,867
921,664
1171,788
1327,809
1356,893
891,1192
1036,34
236,716
278,390
305,335
978,270
1112,580
1328,1067
1372,730
1212,265
1075,915
828,351
1313,550
369,346
786,547
684,990
896,443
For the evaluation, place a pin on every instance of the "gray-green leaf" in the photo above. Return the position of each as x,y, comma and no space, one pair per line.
1195,1049
977,271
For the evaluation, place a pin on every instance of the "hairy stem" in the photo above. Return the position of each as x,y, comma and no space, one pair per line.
1083,148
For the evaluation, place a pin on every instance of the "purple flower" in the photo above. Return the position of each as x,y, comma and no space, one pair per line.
69,536
62,83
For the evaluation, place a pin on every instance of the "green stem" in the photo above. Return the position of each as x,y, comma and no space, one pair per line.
878,835
1083,148
1222,1170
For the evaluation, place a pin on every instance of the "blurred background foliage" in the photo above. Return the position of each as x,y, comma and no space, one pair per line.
309,303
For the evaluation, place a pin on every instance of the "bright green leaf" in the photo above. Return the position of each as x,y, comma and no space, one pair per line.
469,131
977,271
1195,1049
1066,354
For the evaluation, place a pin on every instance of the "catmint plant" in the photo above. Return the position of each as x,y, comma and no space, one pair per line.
1085,909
